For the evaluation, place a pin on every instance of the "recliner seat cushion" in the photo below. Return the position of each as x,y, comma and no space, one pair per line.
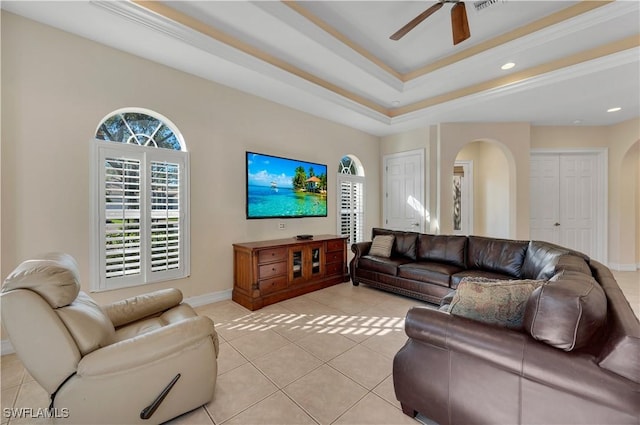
496,255
442,248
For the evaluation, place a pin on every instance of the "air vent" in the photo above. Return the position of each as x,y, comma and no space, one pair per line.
484,4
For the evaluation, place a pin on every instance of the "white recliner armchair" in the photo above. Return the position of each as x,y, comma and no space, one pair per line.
145,359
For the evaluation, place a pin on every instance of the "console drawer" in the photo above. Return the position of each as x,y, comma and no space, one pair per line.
275,284
270,270
334,268
335,245
268,255
333,257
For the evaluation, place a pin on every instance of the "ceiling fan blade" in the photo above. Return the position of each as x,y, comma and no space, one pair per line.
459,23
415,21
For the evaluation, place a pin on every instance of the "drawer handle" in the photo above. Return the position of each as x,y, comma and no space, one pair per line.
273,269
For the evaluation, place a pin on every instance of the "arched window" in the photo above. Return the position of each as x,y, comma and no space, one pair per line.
351,199
140,200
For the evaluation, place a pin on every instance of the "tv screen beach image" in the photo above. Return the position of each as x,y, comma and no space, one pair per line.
281,187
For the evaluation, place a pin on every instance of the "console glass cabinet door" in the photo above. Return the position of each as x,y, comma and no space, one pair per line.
306,262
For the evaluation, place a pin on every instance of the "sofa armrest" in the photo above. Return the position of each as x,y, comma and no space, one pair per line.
149,347
135,308
496,345
361,248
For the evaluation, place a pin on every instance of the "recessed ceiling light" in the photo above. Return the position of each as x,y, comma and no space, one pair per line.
395,103
616,109
507,65
577,121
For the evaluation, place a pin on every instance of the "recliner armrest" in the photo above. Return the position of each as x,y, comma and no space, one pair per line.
148,347
135,308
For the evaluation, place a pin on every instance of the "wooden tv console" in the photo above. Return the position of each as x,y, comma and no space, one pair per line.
267,272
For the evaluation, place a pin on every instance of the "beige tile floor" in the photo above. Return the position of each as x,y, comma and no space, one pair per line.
322,358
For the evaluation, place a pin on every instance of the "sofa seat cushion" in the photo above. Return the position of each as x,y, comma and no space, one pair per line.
381,264
437,273
456,278
496,255
448,249
495,302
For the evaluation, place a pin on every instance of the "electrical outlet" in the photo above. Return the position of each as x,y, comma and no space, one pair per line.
281,226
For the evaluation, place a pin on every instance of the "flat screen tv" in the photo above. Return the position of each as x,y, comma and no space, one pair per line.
285,188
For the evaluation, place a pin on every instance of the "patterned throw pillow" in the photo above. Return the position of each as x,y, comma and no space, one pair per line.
496,302
381,246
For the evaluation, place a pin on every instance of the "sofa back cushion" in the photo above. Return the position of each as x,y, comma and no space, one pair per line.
404,244
443,249
496,255
544,260
567,311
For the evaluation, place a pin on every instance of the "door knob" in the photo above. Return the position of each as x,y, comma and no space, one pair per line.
557,224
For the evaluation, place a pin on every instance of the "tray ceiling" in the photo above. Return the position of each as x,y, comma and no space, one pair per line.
574,59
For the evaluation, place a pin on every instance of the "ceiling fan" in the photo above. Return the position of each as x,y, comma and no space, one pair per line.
459,23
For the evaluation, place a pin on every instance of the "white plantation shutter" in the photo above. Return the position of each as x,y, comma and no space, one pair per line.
165,216
139,219
122,203
351,207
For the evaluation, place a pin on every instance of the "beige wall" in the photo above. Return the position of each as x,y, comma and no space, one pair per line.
513,140
490,188
56,89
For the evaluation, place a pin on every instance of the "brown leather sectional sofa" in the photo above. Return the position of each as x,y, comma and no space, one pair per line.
576,360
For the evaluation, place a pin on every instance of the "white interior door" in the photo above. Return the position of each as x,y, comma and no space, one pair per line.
578,192
403,206
568,201
545,198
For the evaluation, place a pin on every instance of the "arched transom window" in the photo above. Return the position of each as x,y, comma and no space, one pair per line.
139,200
139,128
351,199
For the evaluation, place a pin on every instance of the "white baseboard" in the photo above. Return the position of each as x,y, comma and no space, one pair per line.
624,267
197,301
211,297
6,347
